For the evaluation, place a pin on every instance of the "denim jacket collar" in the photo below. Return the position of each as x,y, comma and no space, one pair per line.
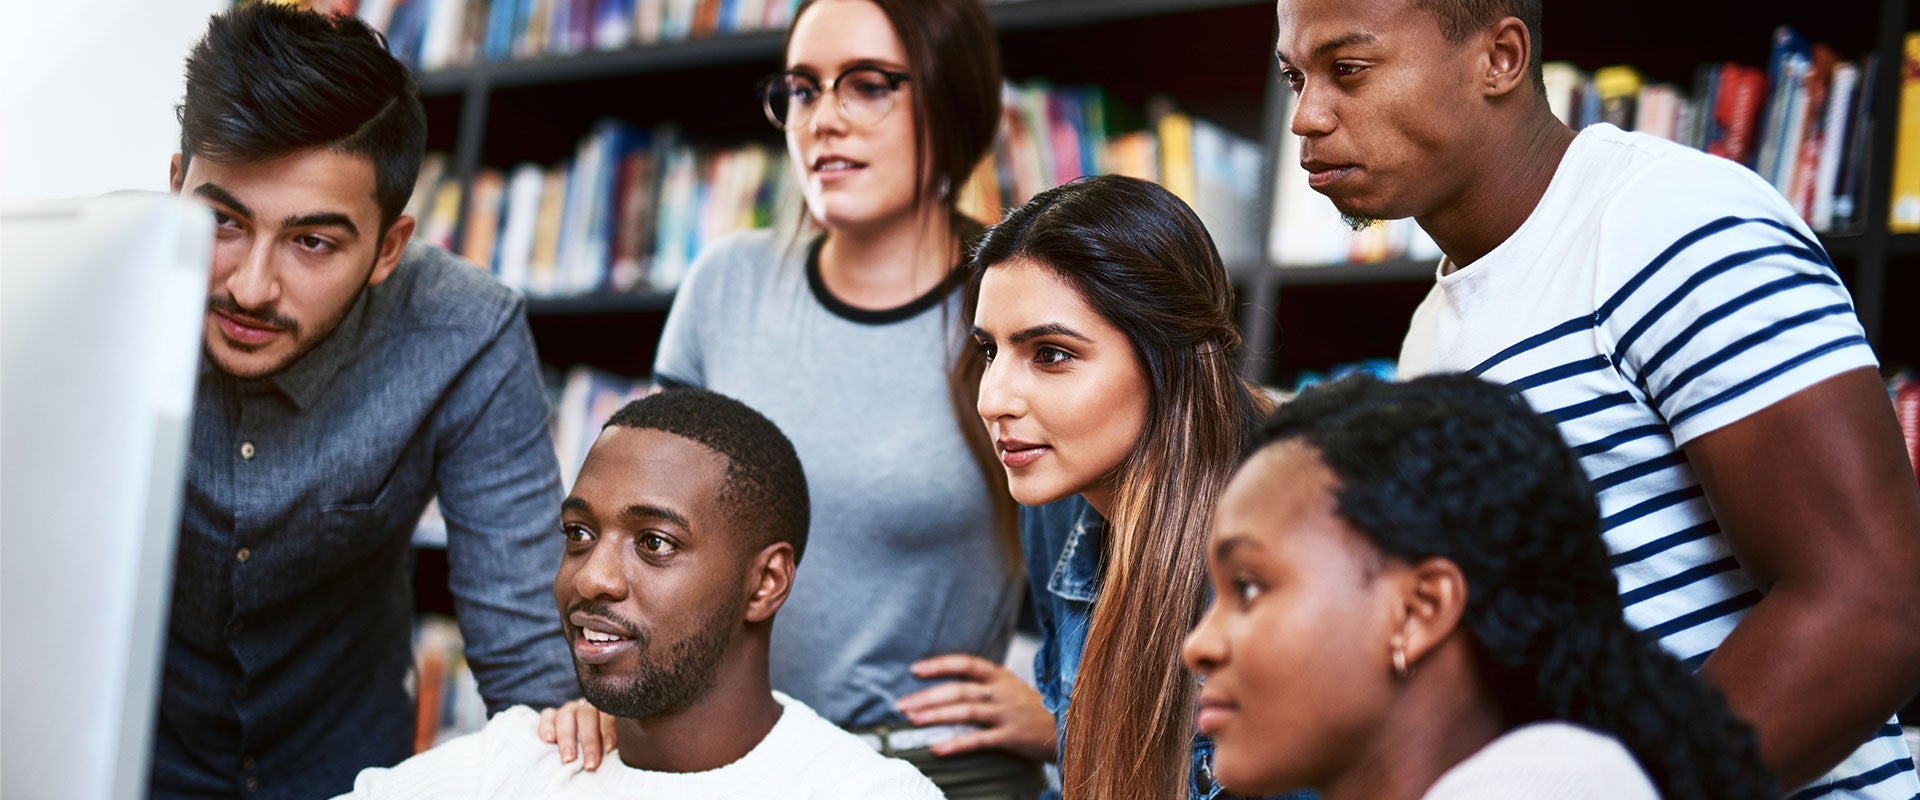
1076,576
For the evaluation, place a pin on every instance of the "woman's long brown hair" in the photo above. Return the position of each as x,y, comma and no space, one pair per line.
1143,261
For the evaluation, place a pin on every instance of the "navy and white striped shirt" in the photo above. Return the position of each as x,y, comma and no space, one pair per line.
1657,294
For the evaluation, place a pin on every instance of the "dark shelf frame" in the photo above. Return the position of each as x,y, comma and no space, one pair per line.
648,302
692,54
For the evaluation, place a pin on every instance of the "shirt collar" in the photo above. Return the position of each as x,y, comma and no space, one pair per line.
307,378
303,381
1077,575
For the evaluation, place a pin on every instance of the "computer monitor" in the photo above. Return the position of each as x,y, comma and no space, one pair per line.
101,302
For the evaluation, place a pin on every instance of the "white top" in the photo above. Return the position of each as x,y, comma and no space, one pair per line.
1656,294
803,756
1547,760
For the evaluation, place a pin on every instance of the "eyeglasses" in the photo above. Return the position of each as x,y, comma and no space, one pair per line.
864,95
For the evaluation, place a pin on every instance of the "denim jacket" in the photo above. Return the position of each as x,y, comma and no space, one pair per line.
1063,541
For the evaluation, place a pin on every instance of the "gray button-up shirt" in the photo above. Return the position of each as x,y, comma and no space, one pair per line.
289,639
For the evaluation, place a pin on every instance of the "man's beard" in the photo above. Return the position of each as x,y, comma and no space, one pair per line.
666,685
302,346
1358,223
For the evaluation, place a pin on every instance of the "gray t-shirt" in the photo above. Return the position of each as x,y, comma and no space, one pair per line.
902,560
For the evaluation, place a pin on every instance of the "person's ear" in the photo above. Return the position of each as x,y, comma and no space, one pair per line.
1509,51
770,579
1434,598
176,174
392,246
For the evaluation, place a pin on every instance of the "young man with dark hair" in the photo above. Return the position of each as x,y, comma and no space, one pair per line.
1688,334
681,538
348,379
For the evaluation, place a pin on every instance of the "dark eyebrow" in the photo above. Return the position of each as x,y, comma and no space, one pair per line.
641,512
1331,45
638,512
223,197
1049,329
1226,546
324,219
815,73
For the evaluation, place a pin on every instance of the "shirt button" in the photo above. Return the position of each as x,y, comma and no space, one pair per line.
247,763
253,785
239,691
234,630
246,450
243,554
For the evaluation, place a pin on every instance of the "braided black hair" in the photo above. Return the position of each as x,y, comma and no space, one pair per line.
1455,467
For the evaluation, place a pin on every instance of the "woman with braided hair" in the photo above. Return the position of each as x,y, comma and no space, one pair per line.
1412,600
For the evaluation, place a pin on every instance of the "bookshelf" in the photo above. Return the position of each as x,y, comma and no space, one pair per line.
1213,56
1374,301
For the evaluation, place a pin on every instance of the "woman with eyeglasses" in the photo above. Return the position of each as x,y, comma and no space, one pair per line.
845,336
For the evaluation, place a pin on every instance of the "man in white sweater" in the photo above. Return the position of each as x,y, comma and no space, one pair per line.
681,534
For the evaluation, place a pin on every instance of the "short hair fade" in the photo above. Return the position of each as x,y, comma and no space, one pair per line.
1460,18
766,489
269,80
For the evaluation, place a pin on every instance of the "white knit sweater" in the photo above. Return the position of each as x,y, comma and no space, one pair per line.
1547,760
803,757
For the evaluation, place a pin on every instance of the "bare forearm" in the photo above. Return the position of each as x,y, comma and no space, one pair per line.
1818,672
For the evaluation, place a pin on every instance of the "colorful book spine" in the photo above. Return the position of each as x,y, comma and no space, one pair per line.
1736,113
1619,90
1833,140
1904,210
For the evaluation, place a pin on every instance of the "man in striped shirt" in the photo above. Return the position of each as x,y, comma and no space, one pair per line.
1689,335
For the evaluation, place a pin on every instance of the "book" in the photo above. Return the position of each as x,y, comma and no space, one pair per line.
515,247
706,19
1659,111
503,16
432,167
588,398
1833,140
1619,88
545,253
1904,210
647,17
483,218
441,36
406,27
638,186
1175,131
446,695
676,19
1846,203
1905,390
530,40
443,216
1811,122
613,24
1786,71
1564,82
1738,96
